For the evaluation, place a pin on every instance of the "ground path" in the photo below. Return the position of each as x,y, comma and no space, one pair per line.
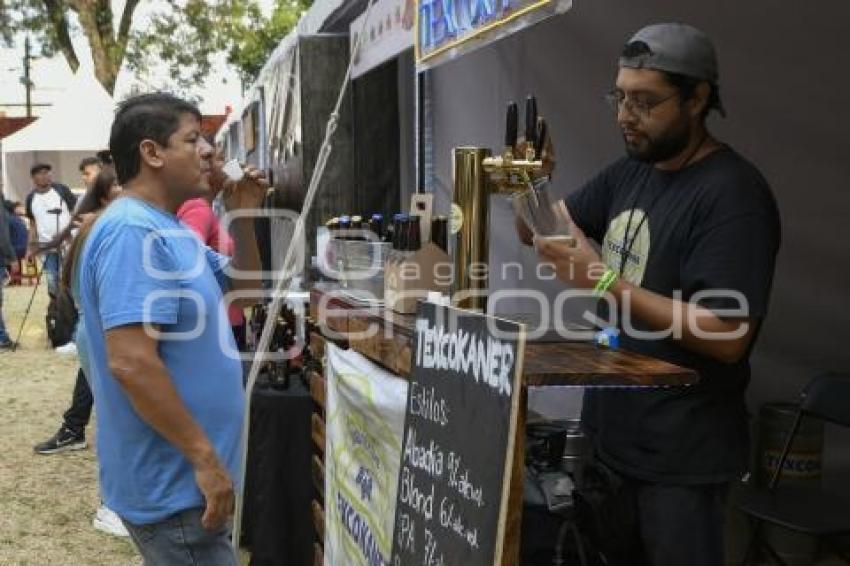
47,503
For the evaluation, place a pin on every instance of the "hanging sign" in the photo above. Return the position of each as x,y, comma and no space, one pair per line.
448,28
388,32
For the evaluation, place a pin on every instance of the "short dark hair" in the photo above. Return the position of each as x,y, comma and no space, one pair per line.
39,167
154,116
87,161
104,156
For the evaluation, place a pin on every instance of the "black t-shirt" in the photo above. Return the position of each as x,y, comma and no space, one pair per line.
711,226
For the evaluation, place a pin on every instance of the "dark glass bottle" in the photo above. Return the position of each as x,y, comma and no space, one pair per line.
414,235
376,225
344,227
404,234
398,220
333,227
396,237
440,232
357,228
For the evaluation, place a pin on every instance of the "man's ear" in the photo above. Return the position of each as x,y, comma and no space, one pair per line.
699,101
151,153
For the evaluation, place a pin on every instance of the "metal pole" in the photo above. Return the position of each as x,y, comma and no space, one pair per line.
27,81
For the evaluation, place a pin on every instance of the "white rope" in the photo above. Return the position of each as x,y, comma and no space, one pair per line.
286,274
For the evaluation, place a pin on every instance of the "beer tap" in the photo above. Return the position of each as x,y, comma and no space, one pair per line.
511,127
477,174
542,132
530,128
507,174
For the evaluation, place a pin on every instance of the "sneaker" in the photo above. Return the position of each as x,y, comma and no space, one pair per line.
107,521
69,349
8,345
64,439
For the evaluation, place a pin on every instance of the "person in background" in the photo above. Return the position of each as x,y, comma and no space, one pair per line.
169,398
89,169
72,433
197,214
49,206
8,258
689,231
19,234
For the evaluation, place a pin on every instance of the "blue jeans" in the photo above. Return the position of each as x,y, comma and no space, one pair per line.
180,540
4,336
50,267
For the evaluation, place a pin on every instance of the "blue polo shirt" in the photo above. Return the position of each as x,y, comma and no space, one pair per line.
141,265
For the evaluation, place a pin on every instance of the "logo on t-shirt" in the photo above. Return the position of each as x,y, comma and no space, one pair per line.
616,243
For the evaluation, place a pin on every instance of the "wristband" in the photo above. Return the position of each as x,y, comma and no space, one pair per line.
606,282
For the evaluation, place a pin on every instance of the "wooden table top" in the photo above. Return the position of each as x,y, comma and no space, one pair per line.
581,364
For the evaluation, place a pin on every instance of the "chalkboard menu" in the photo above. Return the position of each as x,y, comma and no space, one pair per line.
461,419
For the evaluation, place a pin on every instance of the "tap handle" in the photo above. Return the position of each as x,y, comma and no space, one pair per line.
511,125
531,121
542,132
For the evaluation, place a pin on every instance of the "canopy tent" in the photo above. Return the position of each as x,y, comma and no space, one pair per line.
76,126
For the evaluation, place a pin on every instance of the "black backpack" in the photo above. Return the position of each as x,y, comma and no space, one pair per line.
61,318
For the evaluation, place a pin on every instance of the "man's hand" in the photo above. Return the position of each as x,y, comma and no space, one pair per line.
576,263
217,488
247,193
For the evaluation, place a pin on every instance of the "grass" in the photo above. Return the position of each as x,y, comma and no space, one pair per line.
47,503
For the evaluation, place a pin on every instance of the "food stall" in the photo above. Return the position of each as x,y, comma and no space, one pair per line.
366,336
341,318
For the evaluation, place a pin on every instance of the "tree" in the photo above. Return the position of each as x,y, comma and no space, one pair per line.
49,22
185,35
201,27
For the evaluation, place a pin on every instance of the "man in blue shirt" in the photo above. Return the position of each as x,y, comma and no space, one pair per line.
166,376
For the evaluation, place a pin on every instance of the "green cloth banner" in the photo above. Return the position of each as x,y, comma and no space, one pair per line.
364,427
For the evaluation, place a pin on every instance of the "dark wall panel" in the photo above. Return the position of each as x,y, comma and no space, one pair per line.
376,139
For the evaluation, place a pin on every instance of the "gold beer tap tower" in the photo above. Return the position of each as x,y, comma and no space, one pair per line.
477,175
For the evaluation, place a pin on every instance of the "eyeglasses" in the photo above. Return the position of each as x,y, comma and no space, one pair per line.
617,99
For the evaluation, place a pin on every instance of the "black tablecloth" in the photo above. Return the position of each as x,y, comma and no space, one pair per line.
277,525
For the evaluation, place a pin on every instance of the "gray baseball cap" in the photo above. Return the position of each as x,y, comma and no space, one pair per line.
675,48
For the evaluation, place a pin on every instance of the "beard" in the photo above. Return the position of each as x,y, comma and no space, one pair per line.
666,146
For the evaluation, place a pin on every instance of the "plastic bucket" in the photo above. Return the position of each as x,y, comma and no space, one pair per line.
803,467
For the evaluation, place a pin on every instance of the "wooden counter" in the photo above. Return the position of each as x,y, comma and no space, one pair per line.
545,363
386,338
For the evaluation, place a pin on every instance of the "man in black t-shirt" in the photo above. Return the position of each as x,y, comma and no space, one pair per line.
689,233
